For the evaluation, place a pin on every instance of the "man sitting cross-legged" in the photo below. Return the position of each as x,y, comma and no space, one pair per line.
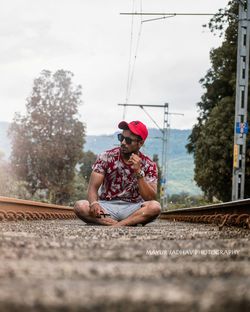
128,181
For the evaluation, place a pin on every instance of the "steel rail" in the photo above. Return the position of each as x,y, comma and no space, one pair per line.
236,213
12,209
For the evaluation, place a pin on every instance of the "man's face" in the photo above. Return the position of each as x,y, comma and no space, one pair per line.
134,146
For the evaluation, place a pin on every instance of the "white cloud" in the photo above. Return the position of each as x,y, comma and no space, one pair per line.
91,39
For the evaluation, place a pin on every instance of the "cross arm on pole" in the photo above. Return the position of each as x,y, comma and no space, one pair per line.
169,14
147,105
166,13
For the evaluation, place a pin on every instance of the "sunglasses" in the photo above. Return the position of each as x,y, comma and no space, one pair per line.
128,140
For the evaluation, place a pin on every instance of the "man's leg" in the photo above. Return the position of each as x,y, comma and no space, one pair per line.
147,213
81,209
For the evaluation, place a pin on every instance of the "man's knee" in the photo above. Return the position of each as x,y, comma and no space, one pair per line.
154,208
81,206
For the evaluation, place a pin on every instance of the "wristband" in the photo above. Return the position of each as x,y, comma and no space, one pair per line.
140,174
93,203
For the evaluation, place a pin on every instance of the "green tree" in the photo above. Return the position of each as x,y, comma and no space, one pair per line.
86,164
211,140
156,160
185,200
80,186
9,185
47,142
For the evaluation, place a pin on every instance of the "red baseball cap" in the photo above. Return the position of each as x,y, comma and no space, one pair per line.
136,127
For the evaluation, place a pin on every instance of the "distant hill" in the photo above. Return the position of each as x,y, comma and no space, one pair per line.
153,144
180,164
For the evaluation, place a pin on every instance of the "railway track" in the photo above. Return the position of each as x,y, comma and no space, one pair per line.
235,213
12,209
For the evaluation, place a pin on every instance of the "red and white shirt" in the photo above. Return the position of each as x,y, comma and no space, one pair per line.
120,181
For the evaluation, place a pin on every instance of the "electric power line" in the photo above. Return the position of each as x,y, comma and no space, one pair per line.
130,51
131,67
135,57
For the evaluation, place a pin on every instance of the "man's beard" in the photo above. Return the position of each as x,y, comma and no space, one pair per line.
125,153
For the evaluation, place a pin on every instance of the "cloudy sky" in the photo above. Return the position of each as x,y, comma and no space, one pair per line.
91,39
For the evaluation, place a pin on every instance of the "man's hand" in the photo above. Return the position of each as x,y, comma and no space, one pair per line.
96,211
135,160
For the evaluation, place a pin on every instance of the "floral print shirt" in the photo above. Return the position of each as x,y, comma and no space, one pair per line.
120,181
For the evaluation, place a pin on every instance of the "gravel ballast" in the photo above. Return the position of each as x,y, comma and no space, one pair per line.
164,266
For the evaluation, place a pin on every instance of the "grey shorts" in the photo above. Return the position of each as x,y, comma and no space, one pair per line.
119,209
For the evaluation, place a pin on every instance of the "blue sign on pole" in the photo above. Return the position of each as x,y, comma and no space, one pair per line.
242,127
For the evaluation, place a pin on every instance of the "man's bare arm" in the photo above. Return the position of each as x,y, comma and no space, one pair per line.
147,190
95,181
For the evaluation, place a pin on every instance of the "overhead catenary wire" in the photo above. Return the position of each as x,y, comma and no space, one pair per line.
150,117
158,18
135,58
130,51
132,59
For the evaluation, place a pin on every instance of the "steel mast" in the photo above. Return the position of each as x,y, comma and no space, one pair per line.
241,101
